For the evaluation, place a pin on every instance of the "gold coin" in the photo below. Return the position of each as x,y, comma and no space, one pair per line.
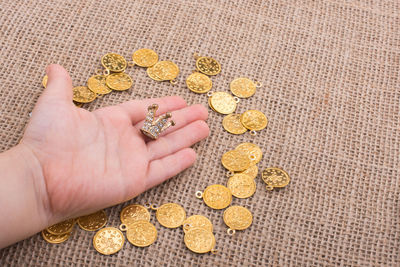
119,81
252,151
199,83
217,196
243,87
108,240
197,221
165,70
145,57
141,233
171,215
82,94
237,217
44,81
94,221
55,239
62,227
223,102
97,84
133,213
236,161
232,124
209,103
199,240
254,120
151,74
114,62
241,185
252,171
275,177
208,65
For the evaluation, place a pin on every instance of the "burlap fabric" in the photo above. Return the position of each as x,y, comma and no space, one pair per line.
331,92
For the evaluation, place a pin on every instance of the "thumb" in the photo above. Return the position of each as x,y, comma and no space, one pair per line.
59,85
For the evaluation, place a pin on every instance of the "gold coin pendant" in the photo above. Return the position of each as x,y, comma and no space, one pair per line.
114,62
62,227
223,102
199,240
119,81
82,94
94,221
232,124
275,177
252,171
108,240
171,215
208,65
235,161
254,120
241,185
152,75
198,221
217,196
97,84
133,213
145,57
243,87
55,239
238,218
141,233
252,151
165,70
199,83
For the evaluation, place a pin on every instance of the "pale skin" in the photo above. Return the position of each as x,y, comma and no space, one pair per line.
71,162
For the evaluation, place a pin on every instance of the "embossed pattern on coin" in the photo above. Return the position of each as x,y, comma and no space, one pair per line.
62,227
97,84
119,81
199,240
82,94
165,70
94,221
254,120
217,196
252,151
241,185
223,102
141,233
235,161
145,57
55,239
251,172
199,83
208,65
114,62
232,124
238,218
171,215
133,213
243,87
44,81
197,221
152,75
275,177
108,240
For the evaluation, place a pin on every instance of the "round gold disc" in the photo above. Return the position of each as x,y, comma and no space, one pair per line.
252,171
237,217
141,233
108,240
209,103
275,177
208,65
55,239
94,221
223,102
119,81
82,94
241,185
199,83
254,120
232,124
165,70
243,87
114,62
152,75
235,161
97,84
252,151
199,240
197,221
171,215
62,227
145,57
44,81
133,213
217,196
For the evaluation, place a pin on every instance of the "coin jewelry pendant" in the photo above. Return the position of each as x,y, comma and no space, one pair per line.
171,215
223,102
198,221
145,57
243,87
216,196
208,65
165,70
94,221
152,75
97,84
254,120
141,233
252,151
241,185
119,81
82,94
44,81
252,171
275,177
114,62
199,240
237,218
235,161
133,213
55,239
108,240
62,227
232,124
209,103
199,83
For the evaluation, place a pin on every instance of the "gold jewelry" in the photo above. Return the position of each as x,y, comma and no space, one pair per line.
153,127
62,227
145,57
237,218
93,222
197,221
198,83
244,87
141,233
275,178
241,185
82,94
232,124
222,102
114,62
254,120
170,215
251,172
44,81
133,213
207,65
200,240
108,240
55,239
235,161
119,81
97,84
216,196
252,151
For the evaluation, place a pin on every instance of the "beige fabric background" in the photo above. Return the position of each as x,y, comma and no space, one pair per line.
331,92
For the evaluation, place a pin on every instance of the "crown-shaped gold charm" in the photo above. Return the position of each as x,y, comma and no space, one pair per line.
153,127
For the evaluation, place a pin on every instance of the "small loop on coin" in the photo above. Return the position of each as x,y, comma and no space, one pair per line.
231,232
106,72
154,206
252,157
173,82
258,84
99,71
209,93
230,173
186,226
253,133
131,64
199,194
269,187
147,205
237,100
123,227
214,251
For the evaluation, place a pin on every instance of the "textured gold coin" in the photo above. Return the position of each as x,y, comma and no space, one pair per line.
254,120
275,177
152,75
252,171
165,70
237,217
94,221
208,65
223,102
199,240
62,227
133,213
232,124
145,57
82,94
171,215
97,84
55,239
197,221
141,233
44,81
108,240
252,151
119,81
235,161
217,196
209,103
241,185
243,87
114,62
199,83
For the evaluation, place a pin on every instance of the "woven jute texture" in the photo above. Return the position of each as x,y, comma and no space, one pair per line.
331,91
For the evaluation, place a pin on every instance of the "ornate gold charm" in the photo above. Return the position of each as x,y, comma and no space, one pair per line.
232,124
133,213
152,127
237,218
199,240
216,196
114,62
82,94
94,221
199,83
141,233
165,70
252,151
62,227
235,161
207,65
108,240
97,84
197,221
243,87
145,57
171,215
251,172
275,177
254,120
55,239
44,81
241,185
152,75
119,81
223,102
